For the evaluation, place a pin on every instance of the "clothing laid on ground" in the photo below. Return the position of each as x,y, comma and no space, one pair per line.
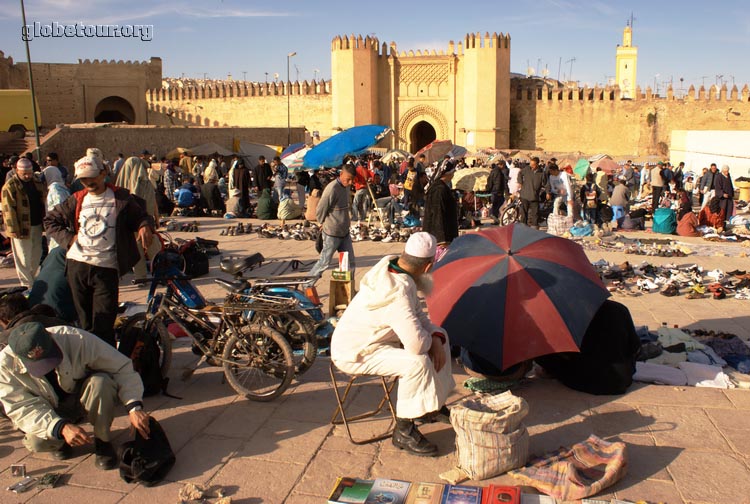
385,315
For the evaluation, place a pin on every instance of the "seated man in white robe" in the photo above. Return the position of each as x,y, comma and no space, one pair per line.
385,332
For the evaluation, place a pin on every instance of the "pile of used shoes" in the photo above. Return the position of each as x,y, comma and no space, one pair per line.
300,231
670,279
386,233
237,230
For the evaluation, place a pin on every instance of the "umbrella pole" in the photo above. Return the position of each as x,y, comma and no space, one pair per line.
375,203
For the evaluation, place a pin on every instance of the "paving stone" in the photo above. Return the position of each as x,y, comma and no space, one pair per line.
684,427
650,490
642,394
401,465
614,419
338,441
165,491
285,441
70,493
735,428
740,398
254,480
35,467
327,465
646,460
711,477
241,419
201,458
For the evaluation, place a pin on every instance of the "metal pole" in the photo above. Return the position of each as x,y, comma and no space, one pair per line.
288,103
31,84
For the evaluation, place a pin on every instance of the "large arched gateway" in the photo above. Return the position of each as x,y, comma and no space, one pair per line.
422,133
114,109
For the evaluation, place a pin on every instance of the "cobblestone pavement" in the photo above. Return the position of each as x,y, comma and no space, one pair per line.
685,444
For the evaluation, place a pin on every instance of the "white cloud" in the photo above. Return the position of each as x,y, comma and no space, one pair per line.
111,12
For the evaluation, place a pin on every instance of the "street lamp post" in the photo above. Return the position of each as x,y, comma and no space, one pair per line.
31,83
288,102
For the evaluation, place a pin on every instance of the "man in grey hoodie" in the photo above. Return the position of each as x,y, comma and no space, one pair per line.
333,216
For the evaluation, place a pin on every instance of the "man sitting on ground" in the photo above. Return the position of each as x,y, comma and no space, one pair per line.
49,377
384,332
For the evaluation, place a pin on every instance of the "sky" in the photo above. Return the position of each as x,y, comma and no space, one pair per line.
699,42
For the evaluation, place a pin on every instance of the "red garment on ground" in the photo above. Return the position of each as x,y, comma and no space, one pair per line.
714,220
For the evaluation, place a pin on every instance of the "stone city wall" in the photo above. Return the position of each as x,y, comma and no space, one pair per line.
244,104
71,142
594,121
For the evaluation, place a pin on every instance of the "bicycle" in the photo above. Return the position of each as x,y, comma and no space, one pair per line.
257,360
512,210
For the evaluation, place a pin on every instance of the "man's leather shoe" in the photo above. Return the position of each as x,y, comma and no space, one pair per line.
63,453
443,415
106,458
406,436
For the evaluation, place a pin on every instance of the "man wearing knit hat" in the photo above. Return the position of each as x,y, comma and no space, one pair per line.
385,332
24,202
98,226
50,377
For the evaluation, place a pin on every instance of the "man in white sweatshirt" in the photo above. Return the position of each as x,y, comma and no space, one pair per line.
385,332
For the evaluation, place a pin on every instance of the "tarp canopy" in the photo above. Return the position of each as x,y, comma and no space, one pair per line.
250,152
210,148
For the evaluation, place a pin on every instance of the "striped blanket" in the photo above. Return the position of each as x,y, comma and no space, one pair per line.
577,472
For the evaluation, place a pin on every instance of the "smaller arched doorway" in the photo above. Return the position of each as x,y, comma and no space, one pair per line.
114,109
422,133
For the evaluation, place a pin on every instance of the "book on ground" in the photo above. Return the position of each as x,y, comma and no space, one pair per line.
461,494
350,491
496,494
425,493
387,491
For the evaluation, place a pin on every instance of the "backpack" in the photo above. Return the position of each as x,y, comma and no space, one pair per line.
196,260
146,461
141,347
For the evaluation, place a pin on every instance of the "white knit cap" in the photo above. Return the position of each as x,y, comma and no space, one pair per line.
421,245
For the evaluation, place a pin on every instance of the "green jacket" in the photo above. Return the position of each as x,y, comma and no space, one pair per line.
16,209
30,402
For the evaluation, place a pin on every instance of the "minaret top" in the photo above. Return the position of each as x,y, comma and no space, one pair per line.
627,37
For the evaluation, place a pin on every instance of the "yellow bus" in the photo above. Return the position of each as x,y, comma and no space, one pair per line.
16,114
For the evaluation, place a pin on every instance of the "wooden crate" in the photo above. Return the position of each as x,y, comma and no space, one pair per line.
340,292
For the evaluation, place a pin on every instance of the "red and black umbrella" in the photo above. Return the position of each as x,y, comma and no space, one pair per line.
513,293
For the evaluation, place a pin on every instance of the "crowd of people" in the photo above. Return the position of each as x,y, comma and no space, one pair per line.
97,222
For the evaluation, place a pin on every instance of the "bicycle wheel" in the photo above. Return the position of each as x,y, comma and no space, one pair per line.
258,363
509,216
299,331
159,331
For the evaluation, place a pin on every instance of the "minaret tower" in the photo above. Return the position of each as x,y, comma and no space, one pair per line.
626,63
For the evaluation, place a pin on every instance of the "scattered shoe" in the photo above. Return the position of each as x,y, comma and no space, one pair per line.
695,295
716,274
720,293
106,459
671,290
742,294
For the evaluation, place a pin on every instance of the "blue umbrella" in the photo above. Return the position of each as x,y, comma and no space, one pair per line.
292,149
331,152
